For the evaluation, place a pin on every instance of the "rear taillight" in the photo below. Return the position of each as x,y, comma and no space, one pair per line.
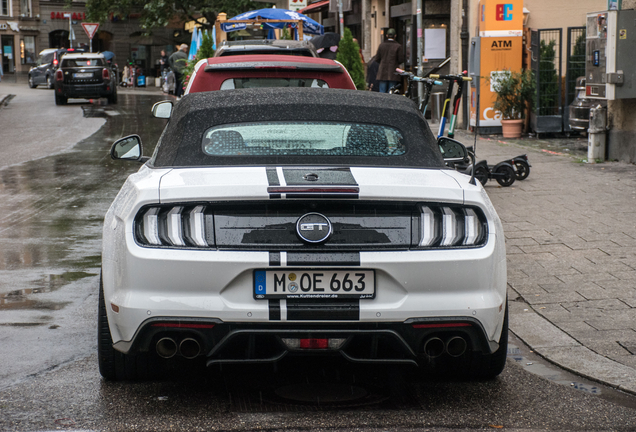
105,74
59,75
174,226
446,226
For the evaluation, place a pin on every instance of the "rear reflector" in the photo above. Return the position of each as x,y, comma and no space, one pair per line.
310,343
184,325
441,325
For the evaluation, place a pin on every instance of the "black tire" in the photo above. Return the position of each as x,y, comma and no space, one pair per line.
60,100
489,366
114,365
32,84
49,82
506,175
112,99
523,170
481,174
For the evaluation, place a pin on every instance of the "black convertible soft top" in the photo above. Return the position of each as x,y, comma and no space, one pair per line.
180,143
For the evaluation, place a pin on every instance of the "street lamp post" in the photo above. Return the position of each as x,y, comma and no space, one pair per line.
341,18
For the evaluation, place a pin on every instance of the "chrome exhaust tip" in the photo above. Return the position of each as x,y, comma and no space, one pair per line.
434,347
189,348
456,346
166,348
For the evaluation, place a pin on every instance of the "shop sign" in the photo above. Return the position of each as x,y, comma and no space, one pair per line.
75,16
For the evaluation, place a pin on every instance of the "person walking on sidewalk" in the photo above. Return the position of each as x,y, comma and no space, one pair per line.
389,56
1,72
178,64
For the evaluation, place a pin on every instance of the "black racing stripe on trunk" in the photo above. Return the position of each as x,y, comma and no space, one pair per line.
323,310
274,258
275,196
272,177
274,310
319,177
322,259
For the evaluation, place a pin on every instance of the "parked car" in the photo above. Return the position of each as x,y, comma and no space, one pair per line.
253,71
300,222
44,70
266,46
84,75
579,119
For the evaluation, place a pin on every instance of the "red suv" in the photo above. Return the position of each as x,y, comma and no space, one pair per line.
252,71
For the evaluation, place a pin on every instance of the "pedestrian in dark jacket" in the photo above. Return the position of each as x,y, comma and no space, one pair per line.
390,56
178,64
372,73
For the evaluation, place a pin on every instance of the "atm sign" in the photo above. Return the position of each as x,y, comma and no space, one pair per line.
504,12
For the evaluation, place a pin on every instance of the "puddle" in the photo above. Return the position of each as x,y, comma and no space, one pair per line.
24,298
535,364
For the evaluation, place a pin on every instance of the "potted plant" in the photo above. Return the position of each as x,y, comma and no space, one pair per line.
515,92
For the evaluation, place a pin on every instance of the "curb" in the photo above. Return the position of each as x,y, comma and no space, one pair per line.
559,348
4,99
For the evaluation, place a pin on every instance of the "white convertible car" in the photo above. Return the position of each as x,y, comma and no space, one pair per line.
279,222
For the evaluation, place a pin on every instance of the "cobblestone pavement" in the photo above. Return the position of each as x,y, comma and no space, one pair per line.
571,245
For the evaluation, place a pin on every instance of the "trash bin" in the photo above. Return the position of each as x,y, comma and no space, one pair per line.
437,105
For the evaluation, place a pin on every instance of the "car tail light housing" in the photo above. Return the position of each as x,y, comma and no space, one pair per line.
59,75
105,74
175,226
445,226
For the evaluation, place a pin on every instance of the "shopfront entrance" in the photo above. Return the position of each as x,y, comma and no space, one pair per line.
7,45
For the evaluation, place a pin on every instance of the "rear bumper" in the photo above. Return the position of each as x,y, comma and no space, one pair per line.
84,90
220,342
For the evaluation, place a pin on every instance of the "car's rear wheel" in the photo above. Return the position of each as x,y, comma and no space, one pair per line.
112,99
60,100
32,83
114,365
488,366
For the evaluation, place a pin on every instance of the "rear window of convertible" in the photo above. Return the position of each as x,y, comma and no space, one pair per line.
303,138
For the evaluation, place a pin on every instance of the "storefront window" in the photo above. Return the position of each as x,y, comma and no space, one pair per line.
27,49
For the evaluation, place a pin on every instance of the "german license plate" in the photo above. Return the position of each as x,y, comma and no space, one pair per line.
333,283
83,75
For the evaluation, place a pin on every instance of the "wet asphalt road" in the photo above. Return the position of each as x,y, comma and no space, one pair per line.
51,211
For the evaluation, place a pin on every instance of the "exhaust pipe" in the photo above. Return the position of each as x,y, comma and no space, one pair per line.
189,348
456,346
166,348
434,347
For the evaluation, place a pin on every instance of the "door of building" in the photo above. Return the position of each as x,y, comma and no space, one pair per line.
7,46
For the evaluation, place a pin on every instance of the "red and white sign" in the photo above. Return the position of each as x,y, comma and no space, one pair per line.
90,29
297,4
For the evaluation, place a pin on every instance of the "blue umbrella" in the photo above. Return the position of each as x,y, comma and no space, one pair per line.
309,26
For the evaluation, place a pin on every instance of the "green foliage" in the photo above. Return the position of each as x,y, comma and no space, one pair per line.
158,13
514,90
549,95
286,34
205,51
349,55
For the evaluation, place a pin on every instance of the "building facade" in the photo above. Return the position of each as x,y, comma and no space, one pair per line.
18,33
29,26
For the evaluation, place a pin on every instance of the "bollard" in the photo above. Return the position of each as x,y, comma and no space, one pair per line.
596,134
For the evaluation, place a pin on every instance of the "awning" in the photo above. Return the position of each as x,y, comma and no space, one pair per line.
314,7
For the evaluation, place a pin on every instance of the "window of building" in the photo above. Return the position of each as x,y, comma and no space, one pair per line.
25,8
27,50
5,7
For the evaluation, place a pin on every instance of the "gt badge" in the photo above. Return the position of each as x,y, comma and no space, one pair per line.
314,228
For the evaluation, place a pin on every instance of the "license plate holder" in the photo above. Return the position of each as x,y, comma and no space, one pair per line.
83,75
314,284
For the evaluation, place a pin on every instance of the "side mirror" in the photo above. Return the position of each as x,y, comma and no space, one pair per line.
128,148
162,109
452,151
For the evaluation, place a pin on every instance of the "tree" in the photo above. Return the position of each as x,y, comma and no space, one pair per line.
349,56
158,13
205,51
